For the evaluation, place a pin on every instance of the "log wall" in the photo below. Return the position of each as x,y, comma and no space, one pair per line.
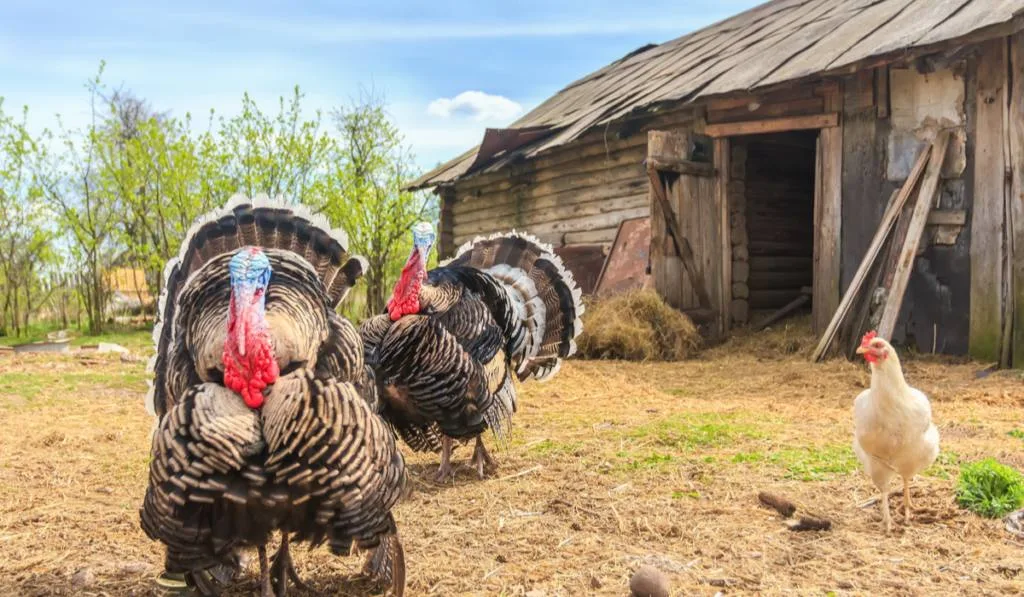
573,195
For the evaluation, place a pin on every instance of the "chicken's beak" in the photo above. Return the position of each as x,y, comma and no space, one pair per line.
862,349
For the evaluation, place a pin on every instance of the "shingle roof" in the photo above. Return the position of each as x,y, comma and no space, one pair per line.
776,42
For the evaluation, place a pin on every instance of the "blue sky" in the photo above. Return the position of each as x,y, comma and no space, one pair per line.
447,68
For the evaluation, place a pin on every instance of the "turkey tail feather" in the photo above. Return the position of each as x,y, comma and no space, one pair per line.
542,291
260,221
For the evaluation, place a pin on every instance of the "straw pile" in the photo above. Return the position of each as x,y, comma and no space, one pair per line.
637,326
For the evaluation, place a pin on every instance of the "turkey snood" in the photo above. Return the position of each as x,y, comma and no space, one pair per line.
249,364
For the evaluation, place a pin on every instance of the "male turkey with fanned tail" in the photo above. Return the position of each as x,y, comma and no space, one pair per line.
266,410
453,339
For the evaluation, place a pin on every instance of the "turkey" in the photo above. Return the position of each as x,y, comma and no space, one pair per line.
454,339
266,416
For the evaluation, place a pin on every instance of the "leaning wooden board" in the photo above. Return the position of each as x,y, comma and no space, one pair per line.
626,265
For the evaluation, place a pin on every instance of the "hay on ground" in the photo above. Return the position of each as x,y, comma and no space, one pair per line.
638,326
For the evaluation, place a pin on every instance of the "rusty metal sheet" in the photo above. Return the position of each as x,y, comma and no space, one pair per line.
626,266
585,263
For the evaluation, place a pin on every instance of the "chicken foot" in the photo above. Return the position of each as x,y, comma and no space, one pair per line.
444,471
481,458
283,569
886,518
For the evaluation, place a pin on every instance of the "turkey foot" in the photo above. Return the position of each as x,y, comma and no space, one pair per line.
265,588
283,570
444,471
481,458
385,566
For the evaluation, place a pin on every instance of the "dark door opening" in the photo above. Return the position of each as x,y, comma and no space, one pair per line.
771,206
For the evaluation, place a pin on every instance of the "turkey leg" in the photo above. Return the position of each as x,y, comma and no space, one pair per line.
445,470
283,569
265,589
481,458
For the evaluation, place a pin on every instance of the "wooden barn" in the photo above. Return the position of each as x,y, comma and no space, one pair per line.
860,157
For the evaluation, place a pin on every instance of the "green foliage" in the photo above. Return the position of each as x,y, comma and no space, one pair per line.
990,489
1017,433
370,169
816,463
123,191
687,432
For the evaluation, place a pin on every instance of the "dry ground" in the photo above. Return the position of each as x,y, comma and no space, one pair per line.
612,464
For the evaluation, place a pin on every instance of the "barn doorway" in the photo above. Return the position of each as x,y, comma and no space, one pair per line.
771,207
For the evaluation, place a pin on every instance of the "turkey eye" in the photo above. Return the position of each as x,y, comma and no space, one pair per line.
292,367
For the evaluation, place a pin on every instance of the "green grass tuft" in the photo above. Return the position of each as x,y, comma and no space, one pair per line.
687,432
816,463
990,489
1017,433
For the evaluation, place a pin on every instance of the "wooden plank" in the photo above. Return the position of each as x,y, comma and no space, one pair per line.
908,253
1016,197
827,216
722,163
947,217
882,92
902,30
803,299
773,125
987,217
892,212
679,242
977,14
838,41
682,167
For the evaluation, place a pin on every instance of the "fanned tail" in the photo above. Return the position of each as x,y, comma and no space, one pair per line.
260,221
541,290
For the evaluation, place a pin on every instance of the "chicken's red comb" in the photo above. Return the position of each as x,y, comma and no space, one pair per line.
868,337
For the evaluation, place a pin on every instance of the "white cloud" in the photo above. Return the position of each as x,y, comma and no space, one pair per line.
475,105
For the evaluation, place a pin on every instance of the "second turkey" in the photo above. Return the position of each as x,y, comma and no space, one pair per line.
456,339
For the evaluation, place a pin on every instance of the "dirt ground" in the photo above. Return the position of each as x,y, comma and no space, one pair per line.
612,465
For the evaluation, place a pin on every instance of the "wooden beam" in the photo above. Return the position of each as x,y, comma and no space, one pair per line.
793,305
908,253
679,166
773,125
882,92
987,213
828,203
722,163
681,244
1015,164
892,212
947,217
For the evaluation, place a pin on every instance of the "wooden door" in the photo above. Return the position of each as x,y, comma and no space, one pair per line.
687,262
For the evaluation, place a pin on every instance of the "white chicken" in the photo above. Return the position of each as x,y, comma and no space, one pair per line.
893,429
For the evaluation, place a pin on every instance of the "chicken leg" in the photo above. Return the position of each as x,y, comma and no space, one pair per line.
886,518
907,506
481,458
283,569
444,471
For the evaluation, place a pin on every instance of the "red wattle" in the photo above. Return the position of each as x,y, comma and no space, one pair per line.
250,373
405,300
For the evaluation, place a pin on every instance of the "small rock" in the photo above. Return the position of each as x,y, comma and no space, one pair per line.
136,568
648,581
83,578
595,582
536,593
501,559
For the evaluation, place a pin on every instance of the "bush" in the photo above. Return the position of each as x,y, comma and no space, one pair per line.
639,326
990,489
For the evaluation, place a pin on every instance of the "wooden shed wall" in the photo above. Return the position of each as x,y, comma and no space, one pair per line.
936,307
570,196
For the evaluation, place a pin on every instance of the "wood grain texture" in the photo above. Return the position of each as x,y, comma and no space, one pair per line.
1016,198
773,125
827,217
908,252
987,214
